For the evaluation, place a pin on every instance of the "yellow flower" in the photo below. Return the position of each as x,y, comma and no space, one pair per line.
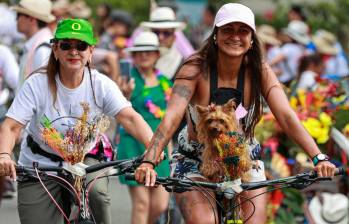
301,97
325,119
293,102
323,136
313,126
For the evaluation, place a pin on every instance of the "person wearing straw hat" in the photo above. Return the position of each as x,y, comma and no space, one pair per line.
164,24
32,19
55,92
270,45
327,45
329,208
229,66
297,38
149,97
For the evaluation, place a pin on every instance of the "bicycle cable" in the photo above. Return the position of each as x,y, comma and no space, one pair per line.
51,197
203,191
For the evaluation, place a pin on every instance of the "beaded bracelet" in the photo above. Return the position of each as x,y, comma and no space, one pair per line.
149,162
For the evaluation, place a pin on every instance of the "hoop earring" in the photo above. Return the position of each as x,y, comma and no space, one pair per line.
215,39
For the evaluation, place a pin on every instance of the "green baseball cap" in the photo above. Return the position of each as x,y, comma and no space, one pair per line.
79,29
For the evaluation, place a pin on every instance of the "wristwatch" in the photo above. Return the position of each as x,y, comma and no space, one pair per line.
319,158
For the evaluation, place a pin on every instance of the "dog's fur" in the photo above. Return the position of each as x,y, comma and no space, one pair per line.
213,121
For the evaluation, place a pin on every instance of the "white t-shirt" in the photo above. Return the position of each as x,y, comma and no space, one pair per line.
307,80
8,67
34,100
293,53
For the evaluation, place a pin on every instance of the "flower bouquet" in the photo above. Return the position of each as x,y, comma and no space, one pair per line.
77,141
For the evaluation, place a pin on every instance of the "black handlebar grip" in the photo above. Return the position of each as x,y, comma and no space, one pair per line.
130,176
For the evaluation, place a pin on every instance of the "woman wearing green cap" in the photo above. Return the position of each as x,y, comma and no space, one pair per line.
56,92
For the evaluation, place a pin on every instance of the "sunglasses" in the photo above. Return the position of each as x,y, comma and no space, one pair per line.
165,33
80,46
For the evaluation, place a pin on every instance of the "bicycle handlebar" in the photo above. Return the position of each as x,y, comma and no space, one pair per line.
126,165
301,180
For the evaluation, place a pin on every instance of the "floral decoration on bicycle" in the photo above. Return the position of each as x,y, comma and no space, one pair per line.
76,142
226,155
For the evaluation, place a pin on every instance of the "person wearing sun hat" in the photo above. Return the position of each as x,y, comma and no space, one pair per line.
327,45
229,66
270,45
149,97
32,19
56,92
329,208
169,31
297,38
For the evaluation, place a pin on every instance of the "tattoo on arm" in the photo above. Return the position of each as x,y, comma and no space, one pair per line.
182,91
155,143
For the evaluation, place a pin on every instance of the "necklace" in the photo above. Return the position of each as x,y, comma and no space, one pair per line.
166,88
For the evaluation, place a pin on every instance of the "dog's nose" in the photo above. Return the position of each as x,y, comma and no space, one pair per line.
214,131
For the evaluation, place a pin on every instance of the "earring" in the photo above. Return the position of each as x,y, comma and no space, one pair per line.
251,44
215,39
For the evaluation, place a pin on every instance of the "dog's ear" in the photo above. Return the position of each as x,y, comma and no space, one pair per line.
201,110
230,106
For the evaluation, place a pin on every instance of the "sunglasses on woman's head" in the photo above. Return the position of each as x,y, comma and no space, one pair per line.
66,45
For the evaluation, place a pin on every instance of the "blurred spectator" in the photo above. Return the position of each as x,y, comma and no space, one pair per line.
327,45
296,38
79,9
296,13
116,35
328,208
103,14
8,31
201,32
163,23
270,45
310,68
151,91
9,71
32,19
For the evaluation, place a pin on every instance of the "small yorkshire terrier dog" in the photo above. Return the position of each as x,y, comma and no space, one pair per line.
225,155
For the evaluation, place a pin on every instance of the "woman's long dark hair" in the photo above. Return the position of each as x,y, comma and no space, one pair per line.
206,58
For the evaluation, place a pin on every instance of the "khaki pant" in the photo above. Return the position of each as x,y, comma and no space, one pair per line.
35,205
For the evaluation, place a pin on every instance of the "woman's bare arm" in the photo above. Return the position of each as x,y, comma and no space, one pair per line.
10,130
289,121
182,93
135,125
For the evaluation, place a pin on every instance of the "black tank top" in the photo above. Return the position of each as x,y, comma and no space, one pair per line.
220,96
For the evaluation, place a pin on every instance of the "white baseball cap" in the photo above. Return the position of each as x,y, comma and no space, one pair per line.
234,12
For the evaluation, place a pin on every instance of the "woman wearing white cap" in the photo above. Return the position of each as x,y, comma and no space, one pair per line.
149,98
229,65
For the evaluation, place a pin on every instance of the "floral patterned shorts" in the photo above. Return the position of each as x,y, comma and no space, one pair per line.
186,159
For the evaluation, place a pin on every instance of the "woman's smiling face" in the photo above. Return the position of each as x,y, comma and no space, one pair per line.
234,39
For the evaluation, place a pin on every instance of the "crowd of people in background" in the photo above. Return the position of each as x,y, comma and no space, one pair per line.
143,59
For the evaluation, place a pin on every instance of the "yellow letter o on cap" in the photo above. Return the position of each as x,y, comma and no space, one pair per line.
76,26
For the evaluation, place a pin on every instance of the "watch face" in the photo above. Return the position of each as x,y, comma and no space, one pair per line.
321,156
